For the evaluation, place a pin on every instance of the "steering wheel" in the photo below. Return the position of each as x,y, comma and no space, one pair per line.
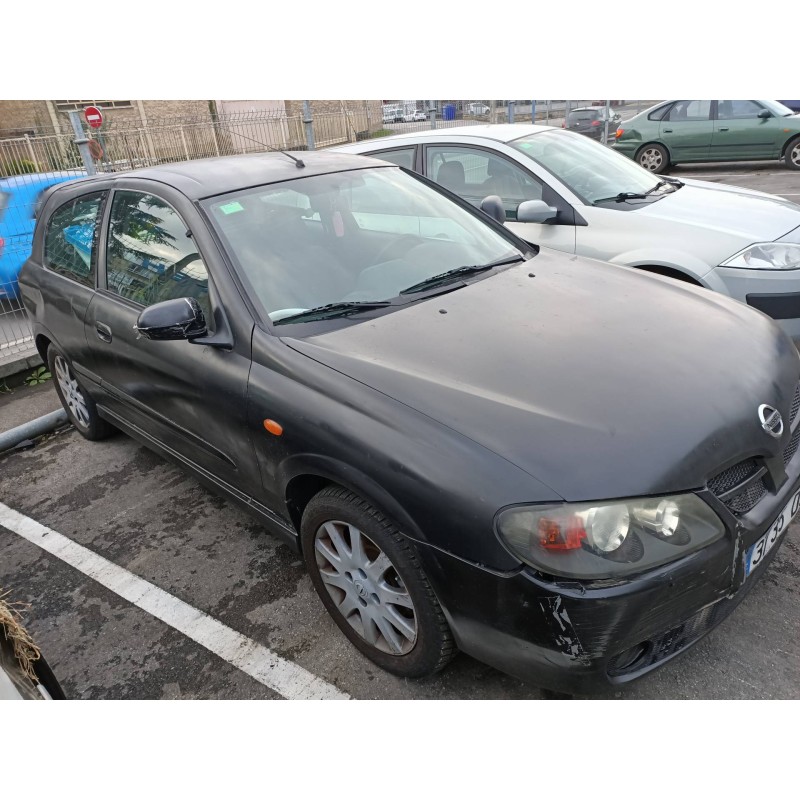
402,244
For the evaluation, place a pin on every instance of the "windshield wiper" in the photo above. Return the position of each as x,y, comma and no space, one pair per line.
457,272
332,310
623,196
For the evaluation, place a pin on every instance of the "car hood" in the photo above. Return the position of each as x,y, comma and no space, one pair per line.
720,208
599,381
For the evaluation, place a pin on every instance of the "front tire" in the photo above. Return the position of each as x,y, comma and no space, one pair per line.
369,578
792,155
80,407
653,157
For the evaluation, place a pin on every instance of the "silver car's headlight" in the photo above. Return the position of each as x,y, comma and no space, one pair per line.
767,255
609,539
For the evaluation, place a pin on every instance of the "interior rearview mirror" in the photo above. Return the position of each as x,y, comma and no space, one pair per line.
181,318
493,206
535,211
765,113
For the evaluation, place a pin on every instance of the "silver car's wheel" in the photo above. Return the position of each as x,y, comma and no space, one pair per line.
653,157
71,392
365,587
793,154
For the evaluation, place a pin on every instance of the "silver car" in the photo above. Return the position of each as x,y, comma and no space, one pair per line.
597,203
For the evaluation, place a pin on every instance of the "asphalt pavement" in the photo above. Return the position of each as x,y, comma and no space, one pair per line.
143,584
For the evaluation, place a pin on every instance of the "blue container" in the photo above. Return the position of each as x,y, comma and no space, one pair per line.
448,112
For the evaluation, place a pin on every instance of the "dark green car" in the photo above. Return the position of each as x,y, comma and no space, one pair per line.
678,131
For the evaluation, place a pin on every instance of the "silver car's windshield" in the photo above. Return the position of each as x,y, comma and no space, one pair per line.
591,170
348,237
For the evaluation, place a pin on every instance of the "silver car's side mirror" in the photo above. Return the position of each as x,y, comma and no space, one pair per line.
535,211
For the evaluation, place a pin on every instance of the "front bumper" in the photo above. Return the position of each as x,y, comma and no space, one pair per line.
774,292
583,638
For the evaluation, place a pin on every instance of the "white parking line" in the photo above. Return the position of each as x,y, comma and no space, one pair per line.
282,676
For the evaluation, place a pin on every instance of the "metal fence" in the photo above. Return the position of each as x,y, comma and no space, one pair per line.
31,163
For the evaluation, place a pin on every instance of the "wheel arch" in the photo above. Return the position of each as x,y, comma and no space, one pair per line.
790,141
303,476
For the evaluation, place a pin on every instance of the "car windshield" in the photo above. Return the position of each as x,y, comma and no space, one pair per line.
360,236
591,170
779,109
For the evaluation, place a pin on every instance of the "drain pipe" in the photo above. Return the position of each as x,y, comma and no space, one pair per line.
30,430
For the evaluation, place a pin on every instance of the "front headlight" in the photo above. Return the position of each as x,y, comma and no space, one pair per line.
611,539
768,255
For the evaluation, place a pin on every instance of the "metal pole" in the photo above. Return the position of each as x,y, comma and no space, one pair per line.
533,112
547,112
608,115
433,114
511,110
308,124
82,142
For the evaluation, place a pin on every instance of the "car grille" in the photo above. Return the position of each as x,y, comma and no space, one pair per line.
741,486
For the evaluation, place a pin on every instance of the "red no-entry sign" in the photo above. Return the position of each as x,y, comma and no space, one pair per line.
93,116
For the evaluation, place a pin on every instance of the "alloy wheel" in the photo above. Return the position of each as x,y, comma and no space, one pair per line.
72,393
366,588
651,158
795,155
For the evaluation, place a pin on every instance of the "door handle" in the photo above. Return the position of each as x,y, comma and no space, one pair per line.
667,130
103,331
722,129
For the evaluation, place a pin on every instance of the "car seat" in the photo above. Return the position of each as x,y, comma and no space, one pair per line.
451,176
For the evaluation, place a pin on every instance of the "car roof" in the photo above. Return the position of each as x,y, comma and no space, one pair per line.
587,108
206,177
505,132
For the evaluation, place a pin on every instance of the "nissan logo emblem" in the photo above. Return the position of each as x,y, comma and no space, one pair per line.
771,420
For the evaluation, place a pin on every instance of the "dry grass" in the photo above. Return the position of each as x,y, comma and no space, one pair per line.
25,650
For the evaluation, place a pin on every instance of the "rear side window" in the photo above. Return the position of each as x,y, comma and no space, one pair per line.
71,237
690,111
659,113
403,158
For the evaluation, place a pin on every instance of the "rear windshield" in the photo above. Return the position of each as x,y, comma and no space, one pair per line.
575,116
3,203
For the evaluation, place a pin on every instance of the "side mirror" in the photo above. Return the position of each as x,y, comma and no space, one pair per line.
493,206
535,211
765,113
181,318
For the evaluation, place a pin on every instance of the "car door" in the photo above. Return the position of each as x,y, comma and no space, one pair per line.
474,173
66,283
188,397
739,132
687,130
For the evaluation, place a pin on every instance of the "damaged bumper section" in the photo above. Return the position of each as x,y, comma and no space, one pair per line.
586,637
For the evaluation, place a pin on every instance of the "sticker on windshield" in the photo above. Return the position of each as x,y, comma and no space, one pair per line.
231,208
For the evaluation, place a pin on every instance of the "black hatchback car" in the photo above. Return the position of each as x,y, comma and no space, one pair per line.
591,121
567,469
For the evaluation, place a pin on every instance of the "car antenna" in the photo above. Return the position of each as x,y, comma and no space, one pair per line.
298,162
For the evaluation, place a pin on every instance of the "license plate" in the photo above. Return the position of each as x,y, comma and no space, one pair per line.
757,553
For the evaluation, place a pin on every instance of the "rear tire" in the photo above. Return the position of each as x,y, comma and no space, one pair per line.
80,407
369,578
653,157
792,155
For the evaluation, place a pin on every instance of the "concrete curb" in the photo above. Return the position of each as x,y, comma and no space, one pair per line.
30,430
